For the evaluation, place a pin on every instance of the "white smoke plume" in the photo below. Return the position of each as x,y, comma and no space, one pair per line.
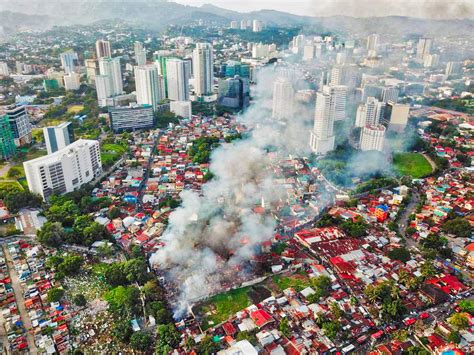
216,231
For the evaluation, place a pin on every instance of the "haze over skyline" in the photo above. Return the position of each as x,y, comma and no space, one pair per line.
433,9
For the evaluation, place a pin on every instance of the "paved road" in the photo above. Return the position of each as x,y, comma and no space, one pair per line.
4,169
17,289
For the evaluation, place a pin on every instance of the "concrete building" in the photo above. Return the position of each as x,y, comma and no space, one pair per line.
322,136
338,95
372,137
4,69
423,48
131,118
19,124
452,69
103,49
283,99
140,54
243,25
72,81
234,25
234,93
203,69
397,116
308,52
92,70
390,94
431,61
65,170
345,75
68,61
149,85
7,141
370,113
58,137
372,42
177,77
181,108
257,26
109,82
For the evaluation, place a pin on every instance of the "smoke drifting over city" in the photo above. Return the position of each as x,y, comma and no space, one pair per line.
213,234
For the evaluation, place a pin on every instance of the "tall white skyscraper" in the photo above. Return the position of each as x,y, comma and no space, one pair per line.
177,77
423,48
72,81
372,137
67,61
370,113
257,26
150,86
58,137
203,69
322,136
104,91
372,42
338,95
452,69
110,67
65,170
283,99
103,49
140,53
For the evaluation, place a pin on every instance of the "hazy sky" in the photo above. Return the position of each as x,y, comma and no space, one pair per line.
439,9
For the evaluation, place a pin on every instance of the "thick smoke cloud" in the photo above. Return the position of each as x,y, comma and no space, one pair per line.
212,235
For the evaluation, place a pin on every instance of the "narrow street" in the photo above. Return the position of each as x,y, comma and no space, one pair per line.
20,300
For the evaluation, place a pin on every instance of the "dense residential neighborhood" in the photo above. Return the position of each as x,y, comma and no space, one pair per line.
236,187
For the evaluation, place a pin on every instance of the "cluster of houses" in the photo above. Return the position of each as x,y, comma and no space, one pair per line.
49,321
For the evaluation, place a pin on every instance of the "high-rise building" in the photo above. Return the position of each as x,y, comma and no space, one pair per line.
68,61
372,42
396,116
452,69
338,95
58,137
322,137
140,53
103,49
131,118
243,25
177,77
370,90
431,61
103,89
370,113
19,124
234,93
72,81
232,68
283,99
203,69
423,48
150,86
372,137
111,68
234,25
345,75
92,70
181,108
308,52
7,141
390,94
257,26
4,69
65,170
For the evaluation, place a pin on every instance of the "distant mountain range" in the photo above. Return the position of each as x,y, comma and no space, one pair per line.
158,14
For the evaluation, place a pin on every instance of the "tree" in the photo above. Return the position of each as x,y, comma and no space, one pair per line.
15,201
114,212
55,294
459,227
158,310
124,300
284,327
336,311
152,290
355,229
459,320
467,306
64,213
207,346
79,300
454,337
402,254
245,335
52,234
427,269
71,265
136,271
331,329
122,330
168,338
141,341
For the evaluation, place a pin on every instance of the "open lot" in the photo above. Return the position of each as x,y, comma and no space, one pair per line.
412,164
75,109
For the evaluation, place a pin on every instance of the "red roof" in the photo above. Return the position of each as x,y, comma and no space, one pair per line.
228,328
260,317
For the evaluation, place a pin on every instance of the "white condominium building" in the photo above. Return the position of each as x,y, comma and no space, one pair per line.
150,86
372,137
203,69
283,99
322,136
372,112
177,78
65,170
